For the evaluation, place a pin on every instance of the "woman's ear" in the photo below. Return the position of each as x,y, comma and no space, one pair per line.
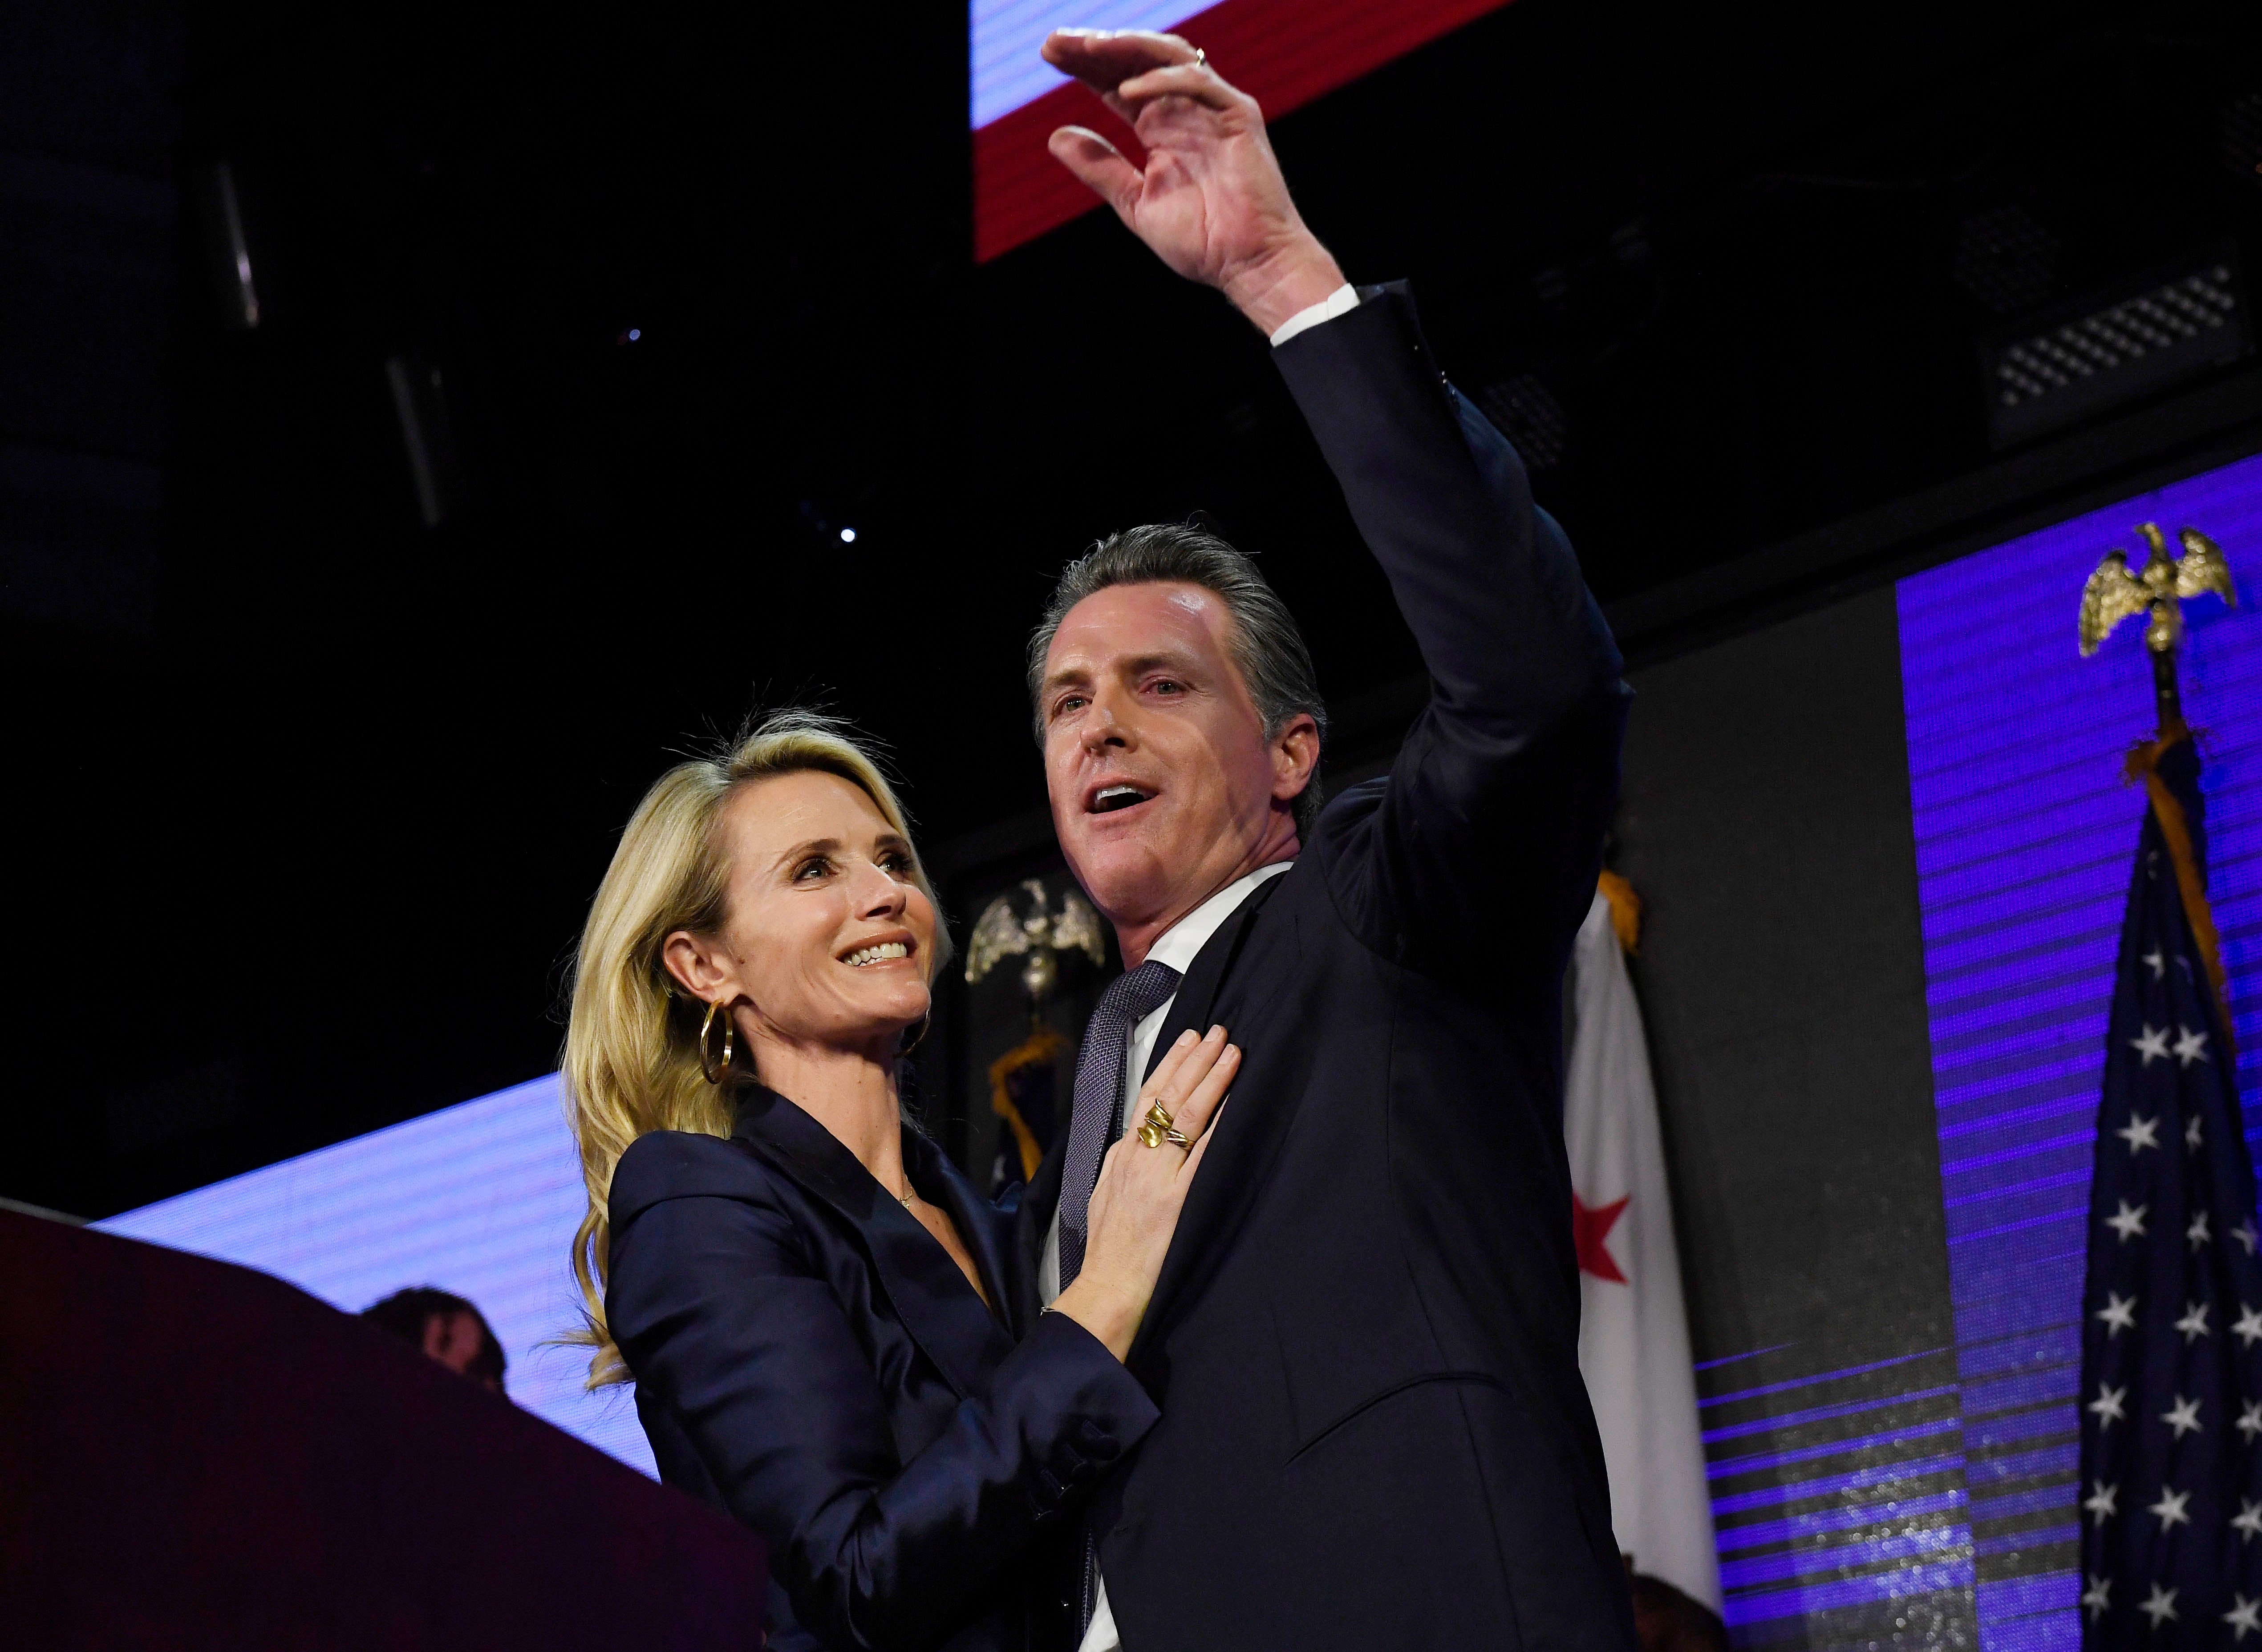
691,959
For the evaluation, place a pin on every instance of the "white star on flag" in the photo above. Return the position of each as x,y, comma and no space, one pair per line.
2100,1502
2169,1509
2194,1324
2191,1132
2097,1597
2250,1422
2197,1233
2107,1406
2119,1316
2162,1605
2249,1326
2127,1223
2183,1416
2154,1042
2191,1047
2244,1615
2140,1132
2245,1235
2248,1521
2159,964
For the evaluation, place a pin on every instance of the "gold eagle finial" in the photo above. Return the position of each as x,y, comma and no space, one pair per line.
1000,933
2113,593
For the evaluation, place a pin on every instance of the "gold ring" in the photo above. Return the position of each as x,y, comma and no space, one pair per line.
1201,58
1154,1135
1160,1114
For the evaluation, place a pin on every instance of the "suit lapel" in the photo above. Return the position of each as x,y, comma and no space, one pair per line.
987,1233
1198,991
930,1296
1247,1131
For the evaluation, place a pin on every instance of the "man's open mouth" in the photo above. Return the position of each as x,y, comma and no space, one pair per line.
1109,799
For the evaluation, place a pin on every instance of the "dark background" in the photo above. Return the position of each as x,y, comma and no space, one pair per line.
308,796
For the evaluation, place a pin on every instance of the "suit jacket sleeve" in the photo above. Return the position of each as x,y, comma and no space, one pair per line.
1480,855
718,1306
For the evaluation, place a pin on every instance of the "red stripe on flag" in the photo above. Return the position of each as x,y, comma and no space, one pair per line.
1282,52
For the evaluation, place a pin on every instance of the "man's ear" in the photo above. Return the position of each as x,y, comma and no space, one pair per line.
691,959
1295,754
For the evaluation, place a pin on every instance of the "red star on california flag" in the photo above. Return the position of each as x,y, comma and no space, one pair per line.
1589,1227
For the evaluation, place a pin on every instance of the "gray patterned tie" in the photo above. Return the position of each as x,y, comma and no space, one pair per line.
1094,1125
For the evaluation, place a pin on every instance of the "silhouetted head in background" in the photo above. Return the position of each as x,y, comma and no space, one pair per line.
446,1327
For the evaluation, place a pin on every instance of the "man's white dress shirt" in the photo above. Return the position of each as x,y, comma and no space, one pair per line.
1178,947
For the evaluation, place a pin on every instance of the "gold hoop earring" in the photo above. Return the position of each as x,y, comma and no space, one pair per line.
715,1073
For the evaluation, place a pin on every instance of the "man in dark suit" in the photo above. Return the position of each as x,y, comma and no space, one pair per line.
1363,1343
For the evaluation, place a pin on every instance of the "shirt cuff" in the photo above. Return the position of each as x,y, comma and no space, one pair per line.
1343,297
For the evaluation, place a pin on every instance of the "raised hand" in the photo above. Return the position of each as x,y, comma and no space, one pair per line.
1142,1189
1210,201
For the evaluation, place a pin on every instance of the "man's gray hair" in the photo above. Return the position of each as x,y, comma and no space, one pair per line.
1267,648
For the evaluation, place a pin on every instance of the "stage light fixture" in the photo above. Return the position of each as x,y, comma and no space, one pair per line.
2114,348
229,248
848,535
420,402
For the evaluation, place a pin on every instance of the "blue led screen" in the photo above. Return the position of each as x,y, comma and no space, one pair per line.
480,1199
2025,837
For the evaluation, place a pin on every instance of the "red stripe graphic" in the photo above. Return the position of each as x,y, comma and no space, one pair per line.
1282,52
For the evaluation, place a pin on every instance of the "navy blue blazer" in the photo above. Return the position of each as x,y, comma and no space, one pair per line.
1365,1338
809,1360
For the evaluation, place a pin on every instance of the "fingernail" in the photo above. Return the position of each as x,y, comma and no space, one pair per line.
1217,1032
1184,1037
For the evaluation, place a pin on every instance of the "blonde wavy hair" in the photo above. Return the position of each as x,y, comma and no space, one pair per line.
631,1059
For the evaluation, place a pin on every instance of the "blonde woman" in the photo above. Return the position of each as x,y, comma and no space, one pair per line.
822,1320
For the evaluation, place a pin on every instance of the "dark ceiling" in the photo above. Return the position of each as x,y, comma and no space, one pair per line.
309,797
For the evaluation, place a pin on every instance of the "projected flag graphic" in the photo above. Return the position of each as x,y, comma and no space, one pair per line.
1283,53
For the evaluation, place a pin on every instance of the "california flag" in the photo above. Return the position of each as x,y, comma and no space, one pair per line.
1633,1337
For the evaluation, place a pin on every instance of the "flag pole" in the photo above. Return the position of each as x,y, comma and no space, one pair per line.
2167,699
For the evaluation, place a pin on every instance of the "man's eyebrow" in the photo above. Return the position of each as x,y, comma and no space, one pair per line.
1169,658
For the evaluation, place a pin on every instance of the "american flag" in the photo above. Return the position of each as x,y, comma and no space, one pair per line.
2172,1343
